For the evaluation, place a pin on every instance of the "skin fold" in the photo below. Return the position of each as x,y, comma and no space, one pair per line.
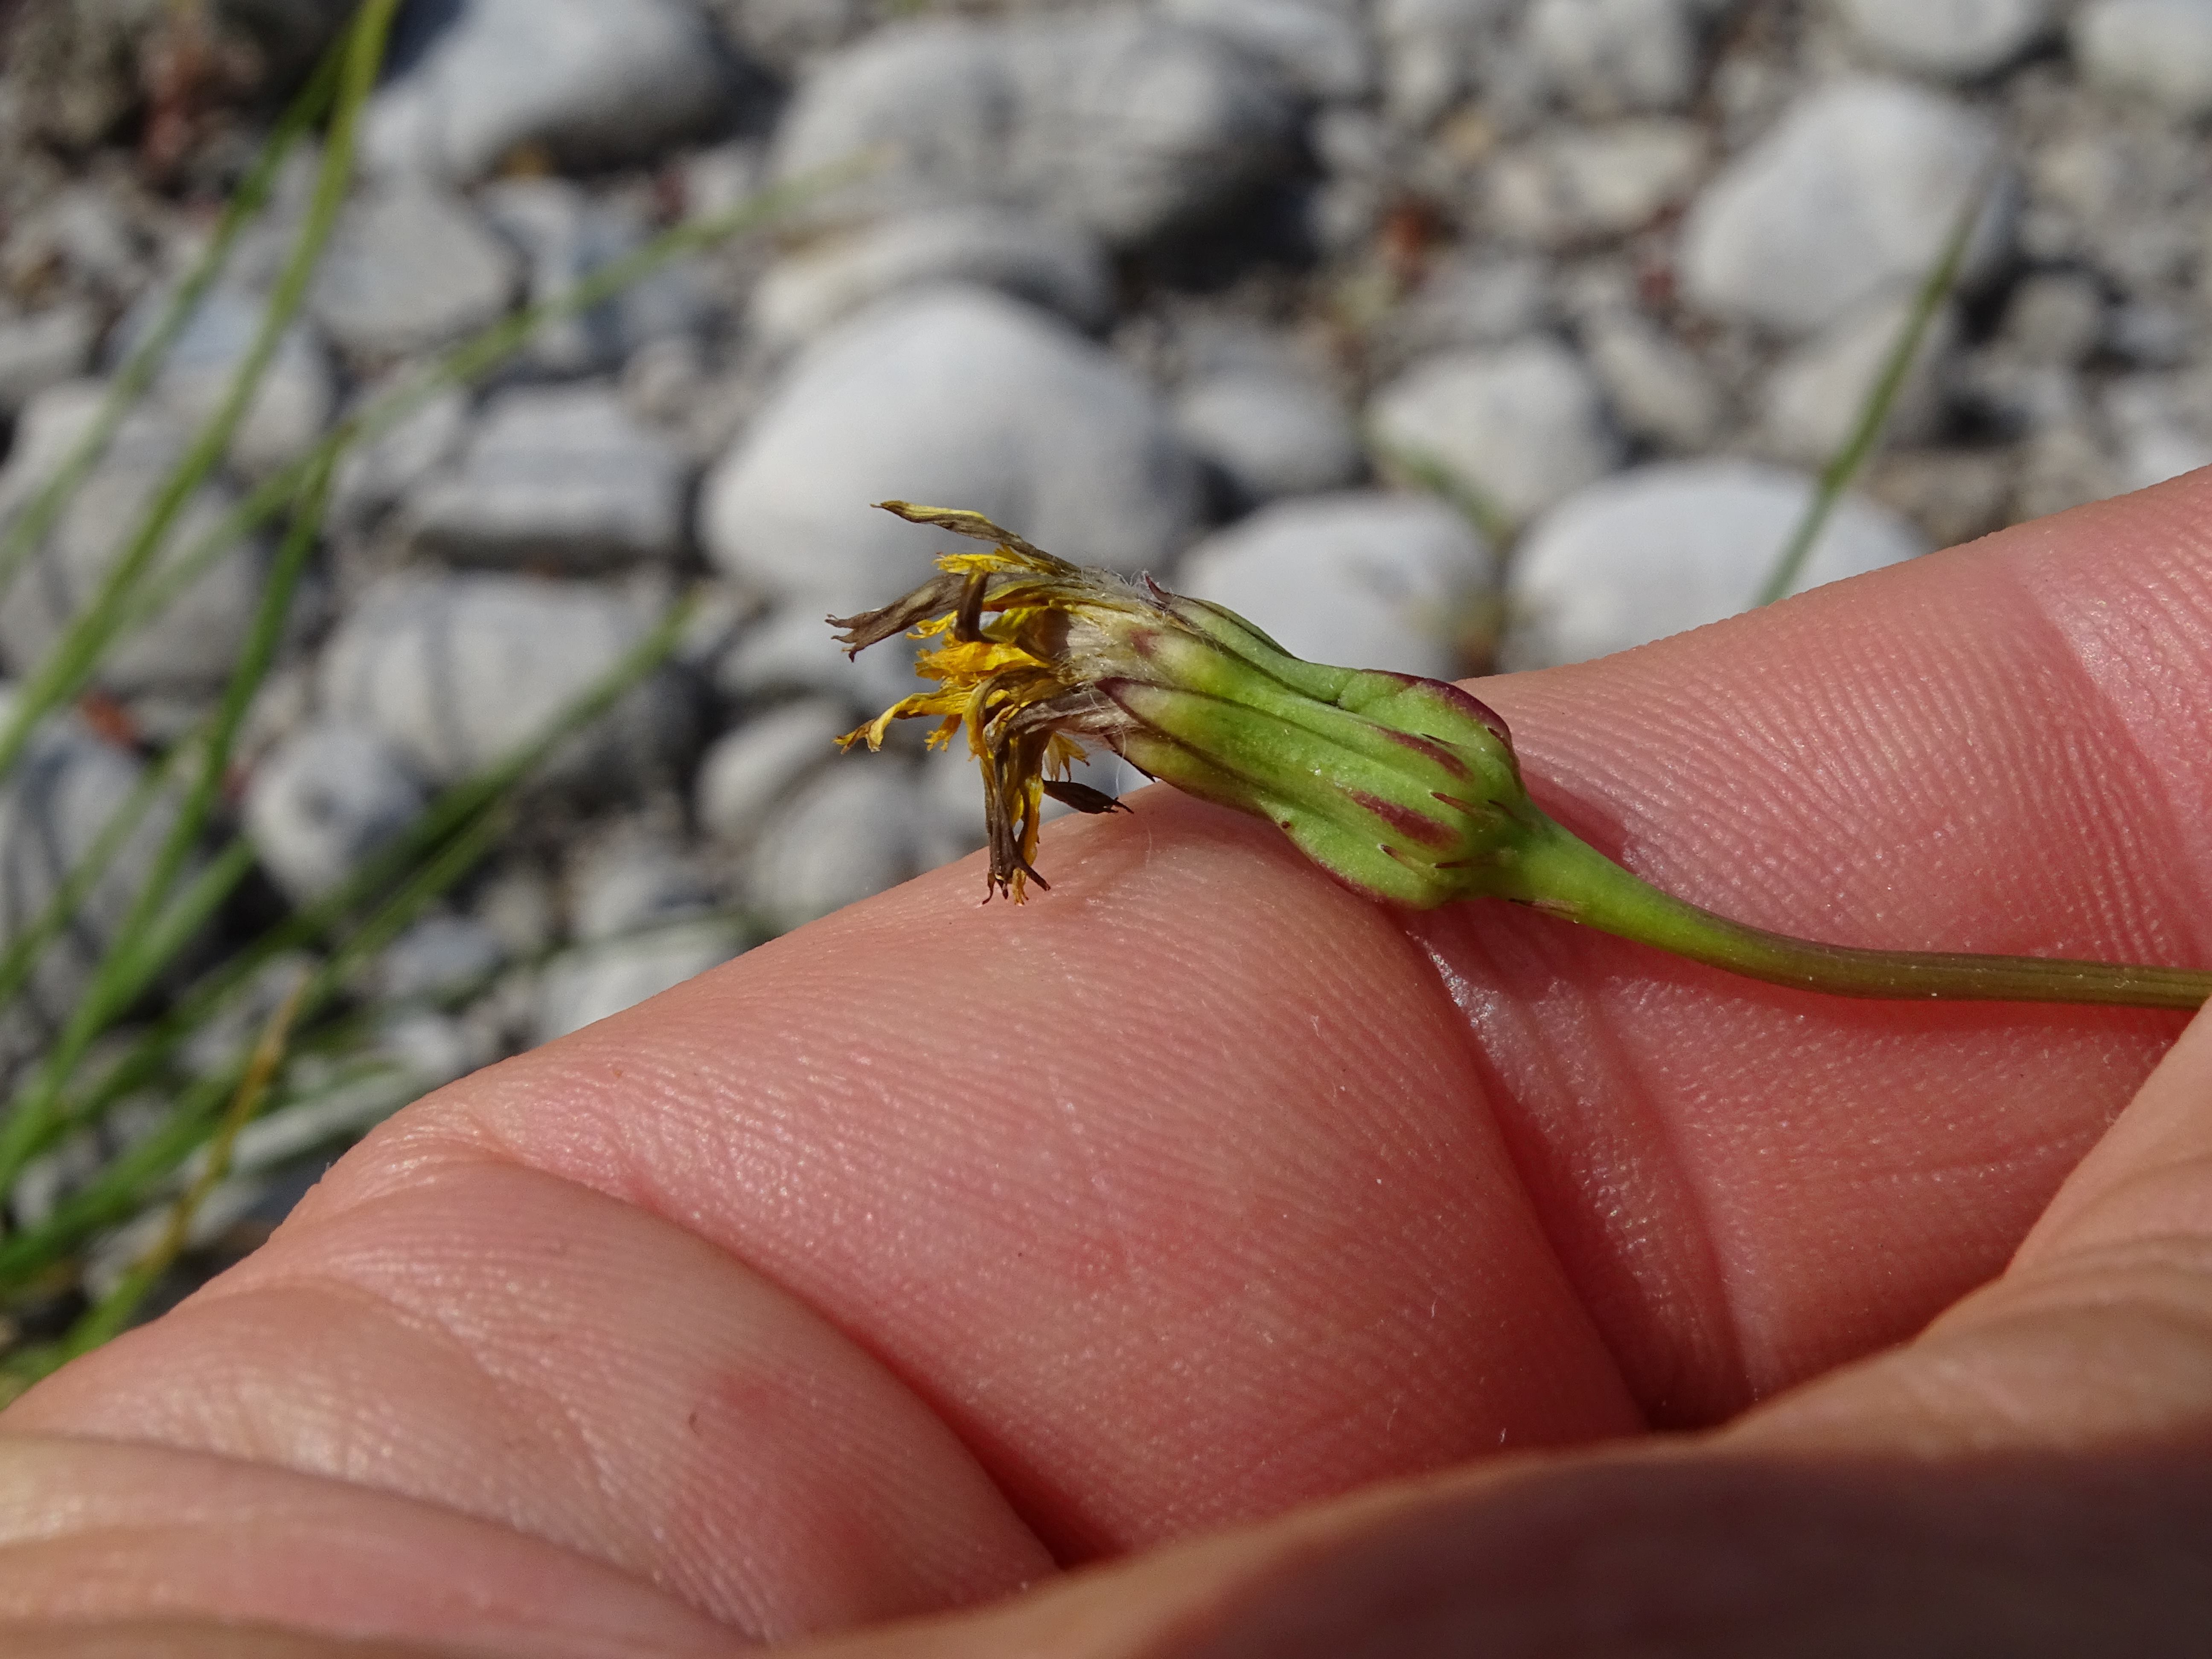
1308,1277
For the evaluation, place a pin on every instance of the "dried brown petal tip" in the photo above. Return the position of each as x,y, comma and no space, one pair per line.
961,522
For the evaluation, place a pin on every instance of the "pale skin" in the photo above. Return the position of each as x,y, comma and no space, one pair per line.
1331,1280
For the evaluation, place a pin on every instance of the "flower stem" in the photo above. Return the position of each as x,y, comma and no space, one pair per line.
1567,877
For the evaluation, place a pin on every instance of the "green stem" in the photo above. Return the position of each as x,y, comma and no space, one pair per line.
1567,877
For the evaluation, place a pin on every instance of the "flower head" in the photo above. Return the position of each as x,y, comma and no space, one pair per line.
1404,788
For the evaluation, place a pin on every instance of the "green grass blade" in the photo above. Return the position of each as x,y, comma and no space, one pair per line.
21,959
213,764
452,814
121,1188
146,359
155,930
471,359
1859,444
113,1312
75,657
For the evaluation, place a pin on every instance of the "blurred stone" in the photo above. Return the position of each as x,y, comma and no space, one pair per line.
2162,426
749,769
1579,184
193,643
1674,546
374,475
62,793
1351,140
566,236
409,267
42,349
953,395
592,82
430,1050
843,837
76,68
791,649
437,959
633,879
1429,48
458,672
1366,578
1853,191
1815,394
2054,317
2121,197
2010,395
563,238
516,901
1523,426
1126,124
298,390
788,33
1467,302
281,705
1613,57
665,380
2064,464
1320,47
1028,257
582,987
1953,495
1269,432
556,475
1657,386
1952,40
83,233
722,177
2156,50
2150,335
323,799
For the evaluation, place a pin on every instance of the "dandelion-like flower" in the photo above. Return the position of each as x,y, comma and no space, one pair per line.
1405,789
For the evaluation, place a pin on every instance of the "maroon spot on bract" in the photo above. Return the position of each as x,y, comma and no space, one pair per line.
1405,821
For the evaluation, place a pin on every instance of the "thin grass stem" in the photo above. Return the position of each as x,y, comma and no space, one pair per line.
113,1312
77,654
1860,443
148,358
156,930
26,948
120,1190
449,815
471,359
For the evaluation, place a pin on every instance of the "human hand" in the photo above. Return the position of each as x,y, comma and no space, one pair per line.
913,1255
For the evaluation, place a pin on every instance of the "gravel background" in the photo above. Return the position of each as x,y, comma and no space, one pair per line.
1433,334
